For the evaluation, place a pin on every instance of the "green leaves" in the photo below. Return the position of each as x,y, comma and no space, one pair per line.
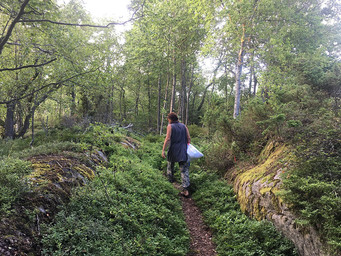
12,182
128,209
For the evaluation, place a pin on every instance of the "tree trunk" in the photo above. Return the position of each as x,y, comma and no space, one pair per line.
158,104
9,122
255,81
225,87
188,95
252,71
32,141
26,125
172,103
73,100
122,104
111,104
239,69
165,102
204,96
183,91
137,100
149,105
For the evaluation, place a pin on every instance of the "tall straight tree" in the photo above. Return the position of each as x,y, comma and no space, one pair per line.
168,37
262,36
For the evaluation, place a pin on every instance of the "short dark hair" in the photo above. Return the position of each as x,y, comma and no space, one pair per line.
173,117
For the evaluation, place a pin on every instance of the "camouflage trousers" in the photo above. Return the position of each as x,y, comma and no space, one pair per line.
184,169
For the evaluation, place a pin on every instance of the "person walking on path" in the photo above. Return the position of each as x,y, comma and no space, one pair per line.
177,138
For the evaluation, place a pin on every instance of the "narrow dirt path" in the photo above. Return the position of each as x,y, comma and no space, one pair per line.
201,237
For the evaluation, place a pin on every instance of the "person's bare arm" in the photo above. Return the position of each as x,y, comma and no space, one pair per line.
167,140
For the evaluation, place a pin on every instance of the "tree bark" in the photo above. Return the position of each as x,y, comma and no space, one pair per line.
171,109
158,104
183,92
32,141
9,122
252,71
203,97
73,100
137,100
5,38
188,95
239,69
165,102
149,105
255,81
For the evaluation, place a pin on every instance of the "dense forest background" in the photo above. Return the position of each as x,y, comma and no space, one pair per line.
58,67
273,75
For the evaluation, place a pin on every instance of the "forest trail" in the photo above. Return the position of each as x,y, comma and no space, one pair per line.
201,237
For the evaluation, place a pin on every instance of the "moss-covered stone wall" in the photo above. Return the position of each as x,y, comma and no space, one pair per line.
257,190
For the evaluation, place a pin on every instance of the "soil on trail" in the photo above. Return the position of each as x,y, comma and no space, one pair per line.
201,236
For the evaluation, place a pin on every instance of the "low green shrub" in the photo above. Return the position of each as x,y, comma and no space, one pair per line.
12,182
313,187
128,209
234,233
150,153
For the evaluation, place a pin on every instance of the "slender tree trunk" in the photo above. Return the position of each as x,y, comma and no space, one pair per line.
183,92
194,99
121,106
124,103
45,125
188,95
252,71
225,87
158,104
73,101
165,102
149,105
204,96
32,141
255,81
9,122
179,106
172,103
109,106
137,101
239,69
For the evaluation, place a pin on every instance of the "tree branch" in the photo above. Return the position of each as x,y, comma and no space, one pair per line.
3,40
29,66
204,96
86,25
77,25
45,86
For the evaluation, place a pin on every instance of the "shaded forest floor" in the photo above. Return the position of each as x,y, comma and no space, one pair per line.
201,236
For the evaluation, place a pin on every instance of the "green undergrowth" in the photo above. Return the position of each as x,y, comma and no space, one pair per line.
234,233
12,182
128,209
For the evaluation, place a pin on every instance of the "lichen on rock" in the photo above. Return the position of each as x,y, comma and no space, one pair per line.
51,183
257,189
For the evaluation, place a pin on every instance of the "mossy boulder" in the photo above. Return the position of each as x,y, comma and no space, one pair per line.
51,183
257,188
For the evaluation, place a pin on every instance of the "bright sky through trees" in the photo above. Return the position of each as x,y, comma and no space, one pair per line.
106,9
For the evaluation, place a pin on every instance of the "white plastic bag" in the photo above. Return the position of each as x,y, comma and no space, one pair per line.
193,153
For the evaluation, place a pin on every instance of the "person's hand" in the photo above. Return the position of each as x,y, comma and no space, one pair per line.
163,154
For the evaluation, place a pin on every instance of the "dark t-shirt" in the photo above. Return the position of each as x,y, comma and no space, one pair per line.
177,151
